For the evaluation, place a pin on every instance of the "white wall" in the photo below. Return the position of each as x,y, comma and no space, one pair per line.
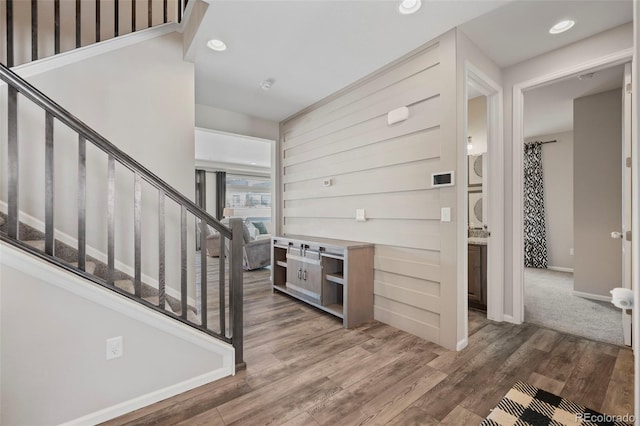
557,168
477,125
141,98
606,43
385,170
234,122
597,127
54,327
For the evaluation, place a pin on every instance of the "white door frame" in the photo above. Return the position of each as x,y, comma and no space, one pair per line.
603,62
475,78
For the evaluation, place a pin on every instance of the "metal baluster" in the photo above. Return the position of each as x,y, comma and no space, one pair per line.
116,18
49,185
56,38
78,23
111,219
137,224
34,30
203,273
13,166
165,11
222,287
97,21
179,11
82,202
133,16
161,245
183,261
9,12
149,13
235,290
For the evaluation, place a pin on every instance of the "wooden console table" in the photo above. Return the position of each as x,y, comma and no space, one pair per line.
333,275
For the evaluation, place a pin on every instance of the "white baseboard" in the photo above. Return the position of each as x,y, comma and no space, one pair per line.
76,55
462,344
560,269
96,254
510,319
592,296
148,399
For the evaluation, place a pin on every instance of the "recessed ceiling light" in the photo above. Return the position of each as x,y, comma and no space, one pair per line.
562,26
586,76
217,45
267,84
253,164
407,7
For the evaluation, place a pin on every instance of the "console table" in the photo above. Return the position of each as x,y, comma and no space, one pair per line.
333,275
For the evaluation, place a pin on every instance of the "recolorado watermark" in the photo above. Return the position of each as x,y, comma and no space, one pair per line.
605,418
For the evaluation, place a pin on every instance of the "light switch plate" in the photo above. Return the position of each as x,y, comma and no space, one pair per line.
445,214
360,215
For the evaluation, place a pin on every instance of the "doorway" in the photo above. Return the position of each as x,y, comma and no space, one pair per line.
486,95
555,273
572,202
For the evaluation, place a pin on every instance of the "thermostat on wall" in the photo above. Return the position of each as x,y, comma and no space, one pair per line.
442,179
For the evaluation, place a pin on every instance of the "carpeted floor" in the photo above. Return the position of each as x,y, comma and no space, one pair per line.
548,301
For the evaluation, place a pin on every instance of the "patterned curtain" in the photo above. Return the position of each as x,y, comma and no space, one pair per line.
535,233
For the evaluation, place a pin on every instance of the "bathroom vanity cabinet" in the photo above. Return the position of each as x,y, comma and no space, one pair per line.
477,276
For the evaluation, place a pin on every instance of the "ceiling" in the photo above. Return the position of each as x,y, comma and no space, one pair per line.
549,109
315,48
519,30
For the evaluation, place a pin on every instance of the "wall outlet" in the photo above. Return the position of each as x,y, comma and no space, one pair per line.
360,215
114,347
571,252
326,182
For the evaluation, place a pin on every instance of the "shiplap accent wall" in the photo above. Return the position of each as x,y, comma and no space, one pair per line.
385,170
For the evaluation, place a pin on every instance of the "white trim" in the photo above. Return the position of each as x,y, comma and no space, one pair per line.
509,318
602,62
147,399
591,296
560,269
76,55
95,253
635,202
462,344
235,135
232,168
474,77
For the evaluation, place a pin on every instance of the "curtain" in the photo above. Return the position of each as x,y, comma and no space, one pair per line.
535,233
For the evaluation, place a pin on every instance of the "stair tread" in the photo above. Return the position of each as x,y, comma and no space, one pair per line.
89,267
36,244
156,301
126,285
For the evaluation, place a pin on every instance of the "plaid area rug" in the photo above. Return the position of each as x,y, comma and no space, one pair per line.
526,405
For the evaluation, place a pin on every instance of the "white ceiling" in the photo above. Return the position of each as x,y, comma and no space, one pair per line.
549,109
315,48
311,48
520,30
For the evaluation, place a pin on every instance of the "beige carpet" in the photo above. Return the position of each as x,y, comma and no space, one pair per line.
548,301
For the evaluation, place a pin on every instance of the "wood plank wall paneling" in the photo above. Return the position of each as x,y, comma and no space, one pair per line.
386,170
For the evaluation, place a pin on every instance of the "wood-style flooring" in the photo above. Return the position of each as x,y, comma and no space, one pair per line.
303,368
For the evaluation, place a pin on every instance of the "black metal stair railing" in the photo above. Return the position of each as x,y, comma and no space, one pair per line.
16,38
229,324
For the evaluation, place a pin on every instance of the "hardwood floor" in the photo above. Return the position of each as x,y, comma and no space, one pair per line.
303,368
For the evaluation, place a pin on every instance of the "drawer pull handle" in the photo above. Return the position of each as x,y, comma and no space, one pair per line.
304,275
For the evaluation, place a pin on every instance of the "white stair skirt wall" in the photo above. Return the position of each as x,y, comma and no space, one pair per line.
54,328
95,253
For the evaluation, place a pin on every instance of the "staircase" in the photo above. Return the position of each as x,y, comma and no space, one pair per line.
172,295
30,35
